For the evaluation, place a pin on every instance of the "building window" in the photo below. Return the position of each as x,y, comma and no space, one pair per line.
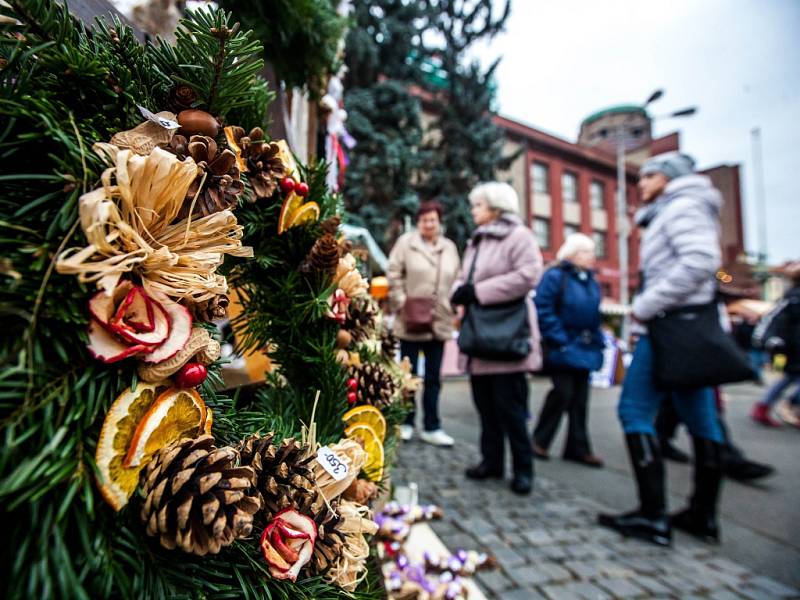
541,178
569,187
596,193
600,244
569,229
541,229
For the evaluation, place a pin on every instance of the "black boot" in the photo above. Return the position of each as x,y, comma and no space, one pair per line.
700,518
650,522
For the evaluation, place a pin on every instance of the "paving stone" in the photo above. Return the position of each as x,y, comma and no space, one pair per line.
508,557
523,594
653,586
554,552
752,592
729,566
538,537
575,591
725,595
454,541
774,587
515,539
494,581
620,588
584,569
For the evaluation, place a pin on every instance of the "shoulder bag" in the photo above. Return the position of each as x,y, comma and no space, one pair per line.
495,331
691,349
419,312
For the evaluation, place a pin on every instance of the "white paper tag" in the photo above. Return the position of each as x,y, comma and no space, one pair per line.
165,123
331,462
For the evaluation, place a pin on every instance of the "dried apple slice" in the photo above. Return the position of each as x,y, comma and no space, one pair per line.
159,334
104,346
136,311
180,328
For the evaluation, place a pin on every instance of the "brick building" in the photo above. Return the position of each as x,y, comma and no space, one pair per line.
566,187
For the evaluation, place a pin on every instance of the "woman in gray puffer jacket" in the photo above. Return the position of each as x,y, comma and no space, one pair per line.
680,255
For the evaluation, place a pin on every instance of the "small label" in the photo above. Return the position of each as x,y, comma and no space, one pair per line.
165,123
332,463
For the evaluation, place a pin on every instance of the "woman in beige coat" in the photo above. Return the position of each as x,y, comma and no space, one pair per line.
422,267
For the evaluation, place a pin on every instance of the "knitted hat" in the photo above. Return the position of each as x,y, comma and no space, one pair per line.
671,164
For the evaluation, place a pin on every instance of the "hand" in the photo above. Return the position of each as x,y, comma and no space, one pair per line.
465,294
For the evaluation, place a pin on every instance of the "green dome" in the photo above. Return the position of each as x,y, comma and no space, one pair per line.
613,110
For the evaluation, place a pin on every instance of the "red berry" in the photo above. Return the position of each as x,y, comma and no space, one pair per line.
352,384
287,185
301,189
352,397
191,375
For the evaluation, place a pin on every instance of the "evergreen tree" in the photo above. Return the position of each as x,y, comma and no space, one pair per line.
62,89
465,146
383,116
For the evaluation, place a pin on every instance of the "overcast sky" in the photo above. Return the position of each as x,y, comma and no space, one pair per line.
738,61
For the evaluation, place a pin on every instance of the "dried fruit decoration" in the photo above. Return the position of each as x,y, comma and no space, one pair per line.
288,543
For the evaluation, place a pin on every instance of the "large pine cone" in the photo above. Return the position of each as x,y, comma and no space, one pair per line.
284,476
222,185
265,167
197,499
376,385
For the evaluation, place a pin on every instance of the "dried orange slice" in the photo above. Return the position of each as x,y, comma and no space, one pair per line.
307,213
177,413
116,482
372,446
230,137
291,204
367,414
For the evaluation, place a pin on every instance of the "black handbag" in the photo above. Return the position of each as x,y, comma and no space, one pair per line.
691,349
495,331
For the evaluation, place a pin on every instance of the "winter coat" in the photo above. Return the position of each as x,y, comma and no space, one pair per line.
412,273
568,309
509,266
680,249
779,330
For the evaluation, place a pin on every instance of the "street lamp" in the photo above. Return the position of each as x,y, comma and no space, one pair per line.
623,225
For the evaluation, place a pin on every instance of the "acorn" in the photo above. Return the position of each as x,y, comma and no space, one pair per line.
197,122
343,338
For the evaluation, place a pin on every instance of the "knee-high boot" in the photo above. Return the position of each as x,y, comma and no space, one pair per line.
650,522
700,517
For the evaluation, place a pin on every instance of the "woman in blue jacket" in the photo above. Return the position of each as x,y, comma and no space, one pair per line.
568,306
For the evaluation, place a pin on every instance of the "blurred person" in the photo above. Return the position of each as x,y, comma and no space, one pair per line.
568,309
779,332
680,255
422,267
735,464
502,263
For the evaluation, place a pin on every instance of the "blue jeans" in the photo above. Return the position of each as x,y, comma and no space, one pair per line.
433,351
776,391
641,399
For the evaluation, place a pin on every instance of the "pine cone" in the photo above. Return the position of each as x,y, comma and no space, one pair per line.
222,186
376,385
196,498
211,310
284,476
330,539
181,97
265,167
323,257
331,225
389,344
362,317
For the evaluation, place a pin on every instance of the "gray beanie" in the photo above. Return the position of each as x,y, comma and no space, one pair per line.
670,164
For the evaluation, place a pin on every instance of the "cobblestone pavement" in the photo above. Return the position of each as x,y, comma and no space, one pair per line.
549,547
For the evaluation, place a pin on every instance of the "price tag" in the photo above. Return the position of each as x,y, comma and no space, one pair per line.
332,463
165,123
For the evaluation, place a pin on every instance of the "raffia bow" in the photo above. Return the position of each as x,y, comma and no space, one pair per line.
128,223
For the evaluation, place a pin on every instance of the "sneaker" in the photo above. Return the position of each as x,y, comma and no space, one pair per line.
760,414
437,437
406,432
